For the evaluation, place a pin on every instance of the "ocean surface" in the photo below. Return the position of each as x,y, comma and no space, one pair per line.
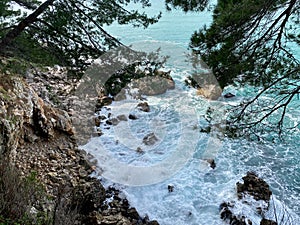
177,159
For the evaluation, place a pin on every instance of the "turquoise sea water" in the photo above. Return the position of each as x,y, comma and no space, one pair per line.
175,26
198,189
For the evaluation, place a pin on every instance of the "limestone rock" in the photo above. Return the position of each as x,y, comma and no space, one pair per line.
157,83
105,100
23,110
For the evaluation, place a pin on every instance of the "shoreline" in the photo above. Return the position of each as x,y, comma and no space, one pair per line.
38,140
39,136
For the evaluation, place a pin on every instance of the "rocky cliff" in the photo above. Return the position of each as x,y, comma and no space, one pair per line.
37,137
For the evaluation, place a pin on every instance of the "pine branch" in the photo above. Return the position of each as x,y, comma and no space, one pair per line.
16,31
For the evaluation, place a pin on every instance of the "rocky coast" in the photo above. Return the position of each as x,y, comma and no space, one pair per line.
45,176
38,143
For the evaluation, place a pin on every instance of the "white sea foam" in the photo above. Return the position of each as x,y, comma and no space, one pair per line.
198,189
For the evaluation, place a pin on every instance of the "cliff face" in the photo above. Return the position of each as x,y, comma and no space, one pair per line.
38,138
11,119
24,116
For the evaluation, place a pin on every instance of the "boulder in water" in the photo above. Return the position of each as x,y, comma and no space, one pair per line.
170,188
229,95
112,121
227,215
267,222
211,162
132,117
143,106
122,117
254,186
150,139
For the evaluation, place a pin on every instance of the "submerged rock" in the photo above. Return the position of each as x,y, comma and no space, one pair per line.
229,95
122,117
150,139
170,188
139,150
267,222
143,106
211,162
132,117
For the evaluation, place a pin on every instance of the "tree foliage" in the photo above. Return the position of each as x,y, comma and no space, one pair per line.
189,5
253,42
250,39
70,30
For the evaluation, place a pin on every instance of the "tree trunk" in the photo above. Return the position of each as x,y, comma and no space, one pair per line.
16,31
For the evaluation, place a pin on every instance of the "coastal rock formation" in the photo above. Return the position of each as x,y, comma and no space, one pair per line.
267,222
257,189
24,115
156,84
227,215
153,85
211,162
104,101
254,186
37,140
150,139
143,106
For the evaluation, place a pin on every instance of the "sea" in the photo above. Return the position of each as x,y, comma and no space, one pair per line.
170,180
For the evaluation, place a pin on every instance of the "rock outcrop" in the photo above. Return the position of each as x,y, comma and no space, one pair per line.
25,116
144,106
36,136
255,188
150,139
267,222
156,84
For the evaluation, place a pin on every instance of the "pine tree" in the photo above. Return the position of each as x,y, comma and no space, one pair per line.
253,42
70,30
